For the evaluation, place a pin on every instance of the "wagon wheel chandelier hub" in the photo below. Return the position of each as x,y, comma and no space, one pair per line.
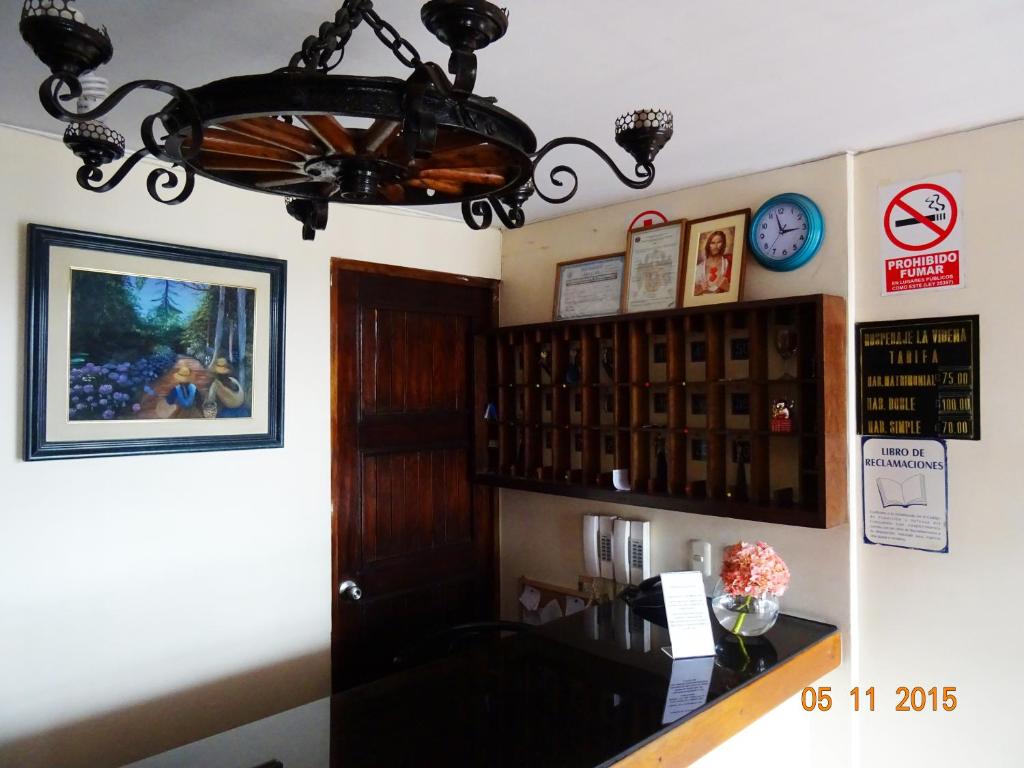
317,138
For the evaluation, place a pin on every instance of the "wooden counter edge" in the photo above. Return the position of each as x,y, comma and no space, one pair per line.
699,735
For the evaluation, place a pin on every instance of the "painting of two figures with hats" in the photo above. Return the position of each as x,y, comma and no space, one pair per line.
152,348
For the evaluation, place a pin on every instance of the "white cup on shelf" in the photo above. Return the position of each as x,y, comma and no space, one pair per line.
620,479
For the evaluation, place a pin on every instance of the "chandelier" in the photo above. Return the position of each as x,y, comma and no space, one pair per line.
316,138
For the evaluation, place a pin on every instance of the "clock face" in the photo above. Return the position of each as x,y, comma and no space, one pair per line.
781,232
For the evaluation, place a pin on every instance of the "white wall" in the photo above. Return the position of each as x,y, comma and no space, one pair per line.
952,620
540,534
149,601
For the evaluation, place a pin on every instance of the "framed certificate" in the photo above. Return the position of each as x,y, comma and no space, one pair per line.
590,287
653,267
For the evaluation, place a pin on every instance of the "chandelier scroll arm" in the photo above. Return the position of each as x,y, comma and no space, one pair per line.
509,212
171,181
51,96
477,214
644,171
90,177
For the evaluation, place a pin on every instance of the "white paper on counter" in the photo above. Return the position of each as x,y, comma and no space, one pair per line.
686,608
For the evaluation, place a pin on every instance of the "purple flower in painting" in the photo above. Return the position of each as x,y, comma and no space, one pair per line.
108,414
122,379
88,389
80,406
148,390
75,399
136,407
103,401
106,389
113,377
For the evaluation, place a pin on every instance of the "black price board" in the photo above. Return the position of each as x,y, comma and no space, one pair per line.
919,378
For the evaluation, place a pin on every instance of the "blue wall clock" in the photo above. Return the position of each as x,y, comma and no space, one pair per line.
787,231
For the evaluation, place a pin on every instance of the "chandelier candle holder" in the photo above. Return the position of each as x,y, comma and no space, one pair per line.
93,141
292,132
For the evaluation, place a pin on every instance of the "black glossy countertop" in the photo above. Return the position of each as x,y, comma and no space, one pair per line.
582,691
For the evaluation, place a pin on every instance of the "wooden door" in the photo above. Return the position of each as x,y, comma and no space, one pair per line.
409,527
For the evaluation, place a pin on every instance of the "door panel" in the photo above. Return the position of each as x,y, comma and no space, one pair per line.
405,359
409,526
413,502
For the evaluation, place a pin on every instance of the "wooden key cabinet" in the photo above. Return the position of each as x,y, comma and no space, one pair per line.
734,411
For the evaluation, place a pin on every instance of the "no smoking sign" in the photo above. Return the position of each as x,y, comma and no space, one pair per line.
922,234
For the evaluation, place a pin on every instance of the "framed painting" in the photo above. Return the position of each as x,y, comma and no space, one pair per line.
715,259
135,347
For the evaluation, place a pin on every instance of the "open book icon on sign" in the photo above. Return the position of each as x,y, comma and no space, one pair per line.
908,493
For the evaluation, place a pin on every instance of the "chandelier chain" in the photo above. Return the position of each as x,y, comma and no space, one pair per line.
325,50
387,34
318,51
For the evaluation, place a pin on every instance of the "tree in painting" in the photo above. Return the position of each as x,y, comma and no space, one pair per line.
154,348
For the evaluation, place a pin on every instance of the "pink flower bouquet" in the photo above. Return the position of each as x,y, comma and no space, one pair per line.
754,569
753,577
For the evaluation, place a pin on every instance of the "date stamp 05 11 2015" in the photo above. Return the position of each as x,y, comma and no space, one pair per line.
916,699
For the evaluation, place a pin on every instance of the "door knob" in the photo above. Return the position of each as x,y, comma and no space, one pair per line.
349,590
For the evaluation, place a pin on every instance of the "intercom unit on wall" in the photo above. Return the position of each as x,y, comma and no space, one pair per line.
639,551
614,548
597,546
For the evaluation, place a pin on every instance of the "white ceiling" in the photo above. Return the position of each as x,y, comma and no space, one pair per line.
753,84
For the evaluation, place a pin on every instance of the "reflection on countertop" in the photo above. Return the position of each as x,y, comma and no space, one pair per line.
582,691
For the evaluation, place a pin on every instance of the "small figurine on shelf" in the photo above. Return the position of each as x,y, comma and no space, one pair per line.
739,491
545,361
782,416
660,465
608,362
491,412
572,370
787,342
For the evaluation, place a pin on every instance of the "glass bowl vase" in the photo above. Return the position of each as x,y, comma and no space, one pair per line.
746,615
